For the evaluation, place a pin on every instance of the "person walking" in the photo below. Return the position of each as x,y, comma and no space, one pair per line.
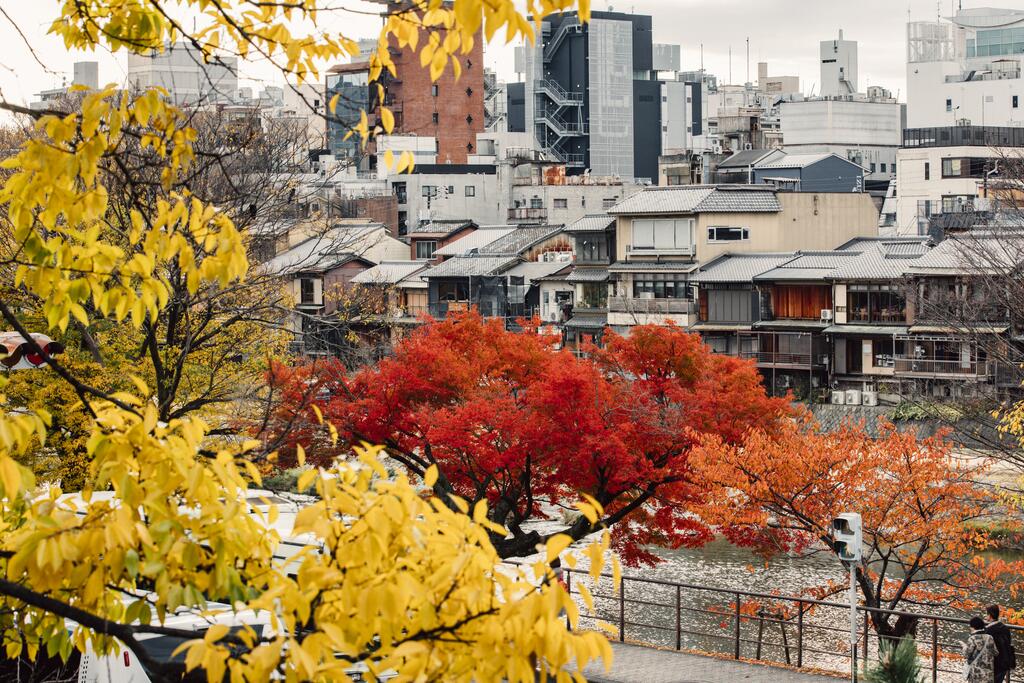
979,654
1006,657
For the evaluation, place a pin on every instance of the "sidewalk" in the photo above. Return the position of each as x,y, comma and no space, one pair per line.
635,664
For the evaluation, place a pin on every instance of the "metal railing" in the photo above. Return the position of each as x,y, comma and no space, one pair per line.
932,366
523,213
791,630
551,46
623,304
779,357
559,94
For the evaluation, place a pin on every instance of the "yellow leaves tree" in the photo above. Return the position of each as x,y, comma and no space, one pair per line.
108,228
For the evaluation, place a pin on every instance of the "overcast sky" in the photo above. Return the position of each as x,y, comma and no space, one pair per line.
785,33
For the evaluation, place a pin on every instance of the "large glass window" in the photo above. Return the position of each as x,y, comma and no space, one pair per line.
594,295
717,234
307,291
875,304
592,248
453,291
665,234
998,42
425,249
660,286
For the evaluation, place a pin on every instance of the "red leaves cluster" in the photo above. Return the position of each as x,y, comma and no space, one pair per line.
509,420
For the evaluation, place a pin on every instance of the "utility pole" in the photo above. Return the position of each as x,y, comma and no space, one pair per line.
847,542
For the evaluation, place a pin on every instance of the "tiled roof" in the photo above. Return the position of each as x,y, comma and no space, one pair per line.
389,272
739,267
862,243
324,252
699,199
652,266
973,252
796,161
474,240
466,266
588,275
587,322
518,240
882,260
596,222
885,330
441,227
747,158
533,271
808,265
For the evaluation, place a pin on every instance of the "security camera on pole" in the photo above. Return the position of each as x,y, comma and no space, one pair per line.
847,539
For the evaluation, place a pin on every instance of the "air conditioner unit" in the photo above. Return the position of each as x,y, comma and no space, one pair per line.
838,398
870,398
826,315
853,397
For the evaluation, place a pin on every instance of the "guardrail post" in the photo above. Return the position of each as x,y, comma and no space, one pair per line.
622,611
679,618
568,590
799,634
935,650
736,651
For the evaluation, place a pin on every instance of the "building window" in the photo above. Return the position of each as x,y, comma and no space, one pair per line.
663,234
429,190
449,190
536,203
875,304
1014,101
400,191
927,171
307,291
434,90
470,190
403,222
883,168
660,286
952,168
872,167
608,202
949,104
593,295
592,249
562,203
453,291
957,203
434,117
728,234
425,249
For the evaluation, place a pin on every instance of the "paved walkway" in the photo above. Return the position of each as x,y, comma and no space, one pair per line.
635,664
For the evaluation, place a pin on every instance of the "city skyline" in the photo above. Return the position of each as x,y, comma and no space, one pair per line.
720,27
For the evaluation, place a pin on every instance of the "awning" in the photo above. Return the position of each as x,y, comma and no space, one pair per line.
947,329
719,327
15,353
871,330
587,322
814,325
588,275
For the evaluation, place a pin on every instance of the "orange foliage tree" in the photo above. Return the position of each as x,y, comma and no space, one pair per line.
780,492
510,421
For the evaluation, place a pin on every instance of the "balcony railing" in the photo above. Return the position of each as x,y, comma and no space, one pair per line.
932,366
780,358
527,214
623,304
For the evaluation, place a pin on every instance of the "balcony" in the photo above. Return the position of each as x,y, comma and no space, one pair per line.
622,304
689,250
538,215
931,367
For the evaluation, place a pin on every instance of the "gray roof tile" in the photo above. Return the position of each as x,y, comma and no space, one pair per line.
474,240
592,223
475,266
588,275
441,227
739,267
973,252
681,199
516,241
652,266
389,272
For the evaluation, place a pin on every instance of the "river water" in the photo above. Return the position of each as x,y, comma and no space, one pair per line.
706,619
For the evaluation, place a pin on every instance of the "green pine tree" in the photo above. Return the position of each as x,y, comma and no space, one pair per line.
896,664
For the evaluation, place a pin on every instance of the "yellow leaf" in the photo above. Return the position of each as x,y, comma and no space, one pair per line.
555,545
430,476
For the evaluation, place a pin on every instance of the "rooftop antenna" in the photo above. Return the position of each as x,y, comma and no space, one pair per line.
702,62
748,59
730,65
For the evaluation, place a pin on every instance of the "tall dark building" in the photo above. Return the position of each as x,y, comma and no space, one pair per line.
591,94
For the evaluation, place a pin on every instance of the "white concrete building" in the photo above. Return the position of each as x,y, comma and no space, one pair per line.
180,69
966,68
943,170
838,67
866,130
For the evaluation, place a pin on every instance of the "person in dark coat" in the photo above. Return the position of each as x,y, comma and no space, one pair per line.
1006,658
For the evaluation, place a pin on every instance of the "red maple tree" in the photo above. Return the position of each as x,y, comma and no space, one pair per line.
528,429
